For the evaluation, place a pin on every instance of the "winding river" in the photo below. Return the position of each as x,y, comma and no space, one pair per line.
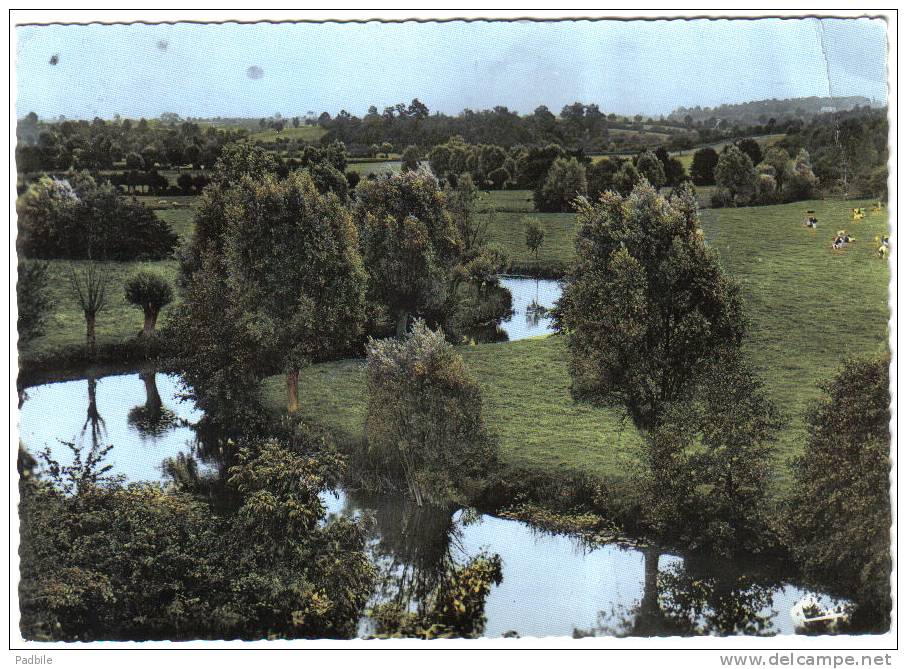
553,585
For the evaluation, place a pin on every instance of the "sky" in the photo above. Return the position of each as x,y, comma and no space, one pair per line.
626,67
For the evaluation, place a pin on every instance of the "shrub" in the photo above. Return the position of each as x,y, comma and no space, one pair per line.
409,161
100,561
425,417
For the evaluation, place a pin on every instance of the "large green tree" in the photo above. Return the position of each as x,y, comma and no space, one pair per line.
702,169
217,342
735,174
291,256
410,243
839,511
565,182
651,167
645,303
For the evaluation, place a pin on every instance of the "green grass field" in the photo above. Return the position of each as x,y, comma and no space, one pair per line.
809,307
305,133
372,167
506,201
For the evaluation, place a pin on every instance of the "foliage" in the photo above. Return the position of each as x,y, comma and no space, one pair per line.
535,236
425,417
292,264
645,303
799,180
150,292
651,168
455,609
565,182
410,158
751,148
409,243
702,169
33,300
76,217
107,562
600,176
328,179
735,174
707,464
839,509
627,178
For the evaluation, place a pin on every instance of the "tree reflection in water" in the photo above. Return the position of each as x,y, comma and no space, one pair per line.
152,419
94,423
693,597
422,566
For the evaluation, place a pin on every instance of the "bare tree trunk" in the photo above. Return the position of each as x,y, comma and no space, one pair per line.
293,390
150,322
90,338
401,324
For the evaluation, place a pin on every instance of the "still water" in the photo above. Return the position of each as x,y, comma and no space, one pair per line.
552,585
528,295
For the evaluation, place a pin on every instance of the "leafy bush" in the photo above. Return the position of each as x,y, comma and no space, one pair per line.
100,561
425,418
77,218
456,608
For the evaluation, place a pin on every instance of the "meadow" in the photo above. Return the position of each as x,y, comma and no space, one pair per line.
304,133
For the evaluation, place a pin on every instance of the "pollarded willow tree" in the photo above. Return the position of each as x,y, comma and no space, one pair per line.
149,292
645,303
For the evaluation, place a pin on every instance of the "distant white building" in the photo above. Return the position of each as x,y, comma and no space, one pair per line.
828,110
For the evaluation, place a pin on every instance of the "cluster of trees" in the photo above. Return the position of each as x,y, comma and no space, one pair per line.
744,174
577,125
280,272
492,166
766,112
101,145
77,217
849,152
567,179
655,327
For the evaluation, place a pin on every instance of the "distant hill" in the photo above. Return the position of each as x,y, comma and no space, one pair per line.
761,111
